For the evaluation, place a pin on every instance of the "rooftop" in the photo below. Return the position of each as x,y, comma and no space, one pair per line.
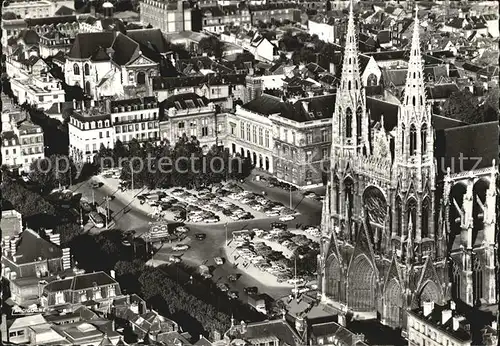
81,282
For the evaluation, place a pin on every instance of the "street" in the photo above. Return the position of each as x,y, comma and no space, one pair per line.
203,252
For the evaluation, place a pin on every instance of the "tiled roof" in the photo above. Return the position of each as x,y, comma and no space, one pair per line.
265,105
32,246
50,20
29,37
169,83
441,91
80,282
396,77
268,329
181,101
378,108
125,49
64,11
151,38
86,44
384,36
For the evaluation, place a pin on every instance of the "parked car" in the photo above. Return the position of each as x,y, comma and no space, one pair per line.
232,278
223,287
174,259
219,261
200,236
233,294
180,247
251,290
182,229
285,218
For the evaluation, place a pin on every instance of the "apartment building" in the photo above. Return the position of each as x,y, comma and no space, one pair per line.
191,115
29,257
215,18
302,140
36,8
33,83
74,291
167,15
89,127
438,325
23,141
135,118
278,12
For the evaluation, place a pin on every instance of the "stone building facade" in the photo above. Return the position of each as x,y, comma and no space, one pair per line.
392,215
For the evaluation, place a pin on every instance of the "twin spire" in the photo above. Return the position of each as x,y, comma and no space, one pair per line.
351,80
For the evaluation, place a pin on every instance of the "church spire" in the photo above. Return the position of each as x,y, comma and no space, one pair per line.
350,80
350,125
414,92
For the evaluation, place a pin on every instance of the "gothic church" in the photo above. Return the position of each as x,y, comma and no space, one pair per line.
402,223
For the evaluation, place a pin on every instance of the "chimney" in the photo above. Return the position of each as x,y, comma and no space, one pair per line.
92,8
456,323
134,307
445,316
92,103
453,306
332,68
494,325
55,238
428,307
112,273
306,106
341,320
74,104
4,329
107,102
243,326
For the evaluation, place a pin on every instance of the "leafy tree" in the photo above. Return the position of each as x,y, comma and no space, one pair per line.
462,105
490,107
52,171
244,57
212,46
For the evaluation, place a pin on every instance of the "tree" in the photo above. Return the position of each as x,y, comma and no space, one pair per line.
52,171
462,105
490,107
212,46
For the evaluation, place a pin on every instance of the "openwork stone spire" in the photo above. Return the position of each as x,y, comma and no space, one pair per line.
414,92
350,66
350,124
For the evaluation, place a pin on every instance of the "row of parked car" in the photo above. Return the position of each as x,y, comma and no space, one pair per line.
264,257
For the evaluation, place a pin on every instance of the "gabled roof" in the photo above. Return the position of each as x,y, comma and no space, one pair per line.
86,44
64,11
152,38
125,49
396,77
29,37
441,91
32,246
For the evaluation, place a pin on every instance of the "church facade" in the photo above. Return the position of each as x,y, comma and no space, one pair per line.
402,223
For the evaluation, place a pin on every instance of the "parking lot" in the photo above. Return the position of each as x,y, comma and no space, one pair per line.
224,204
